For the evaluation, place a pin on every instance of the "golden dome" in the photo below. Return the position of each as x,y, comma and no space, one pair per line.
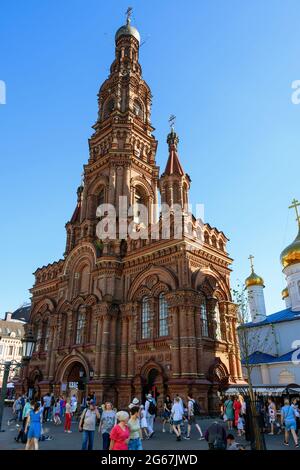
254,280
291,254
285,293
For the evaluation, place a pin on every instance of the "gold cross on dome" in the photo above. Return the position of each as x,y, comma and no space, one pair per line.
251,258
172,121
295,204
129,14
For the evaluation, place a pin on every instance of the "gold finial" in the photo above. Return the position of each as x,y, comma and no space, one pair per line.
129,14
295,204
251,258
172,122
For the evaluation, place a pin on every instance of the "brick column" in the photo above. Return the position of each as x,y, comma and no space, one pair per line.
174,331
70,330
112,343
124,344
98,344
55,343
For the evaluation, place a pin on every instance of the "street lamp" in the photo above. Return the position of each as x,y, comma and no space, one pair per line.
28,343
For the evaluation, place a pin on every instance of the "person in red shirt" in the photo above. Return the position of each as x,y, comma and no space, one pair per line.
120,433
237,409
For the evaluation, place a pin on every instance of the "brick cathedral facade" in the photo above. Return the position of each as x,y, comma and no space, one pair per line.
124,316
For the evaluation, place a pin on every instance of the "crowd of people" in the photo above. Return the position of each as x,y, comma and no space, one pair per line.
126,429
273,419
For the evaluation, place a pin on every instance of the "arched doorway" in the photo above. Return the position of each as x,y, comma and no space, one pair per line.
152,385
154,381
74,381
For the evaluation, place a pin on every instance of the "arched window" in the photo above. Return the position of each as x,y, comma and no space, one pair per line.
109,107
163,316
84,280
101,199
204,317
79,328
206,238
221,245
46,335
218,322
214,241
137,109
145,318
140,199
38,335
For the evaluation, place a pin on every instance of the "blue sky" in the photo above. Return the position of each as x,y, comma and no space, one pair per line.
224,68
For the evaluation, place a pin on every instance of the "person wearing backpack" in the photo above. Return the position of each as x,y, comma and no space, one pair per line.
288,420
216,436
87,425
150,411
193,410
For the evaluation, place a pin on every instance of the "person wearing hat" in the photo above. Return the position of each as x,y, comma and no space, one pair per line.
150,411
87,425
135,402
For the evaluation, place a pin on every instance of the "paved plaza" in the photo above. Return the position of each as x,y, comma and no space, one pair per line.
160,440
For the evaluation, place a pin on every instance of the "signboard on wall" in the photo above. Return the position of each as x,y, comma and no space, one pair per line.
73,385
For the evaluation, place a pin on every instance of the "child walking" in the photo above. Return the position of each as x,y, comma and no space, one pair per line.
241,425
68,417
57,420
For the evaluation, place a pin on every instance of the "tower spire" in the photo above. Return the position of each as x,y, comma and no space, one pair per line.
173,164
251,258
128,15
295,204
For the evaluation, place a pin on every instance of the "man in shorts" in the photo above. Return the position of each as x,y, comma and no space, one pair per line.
192,418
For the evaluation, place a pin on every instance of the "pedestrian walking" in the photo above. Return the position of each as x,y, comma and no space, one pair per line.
62,404
33,427
47,406
16,408
73,404
107,422
87,425
237,406
143,422
150,410
56,414
68,417
288,420
167,413
135,441
272,414
177,416
120,433
241,425
192,411
295,405
26,410
216,436
229,413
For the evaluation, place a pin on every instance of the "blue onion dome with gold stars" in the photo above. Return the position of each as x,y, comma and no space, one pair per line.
291,254
254,279
127,29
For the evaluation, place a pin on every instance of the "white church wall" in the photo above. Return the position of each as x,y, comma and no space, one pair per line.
275,374
260,338
287,333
